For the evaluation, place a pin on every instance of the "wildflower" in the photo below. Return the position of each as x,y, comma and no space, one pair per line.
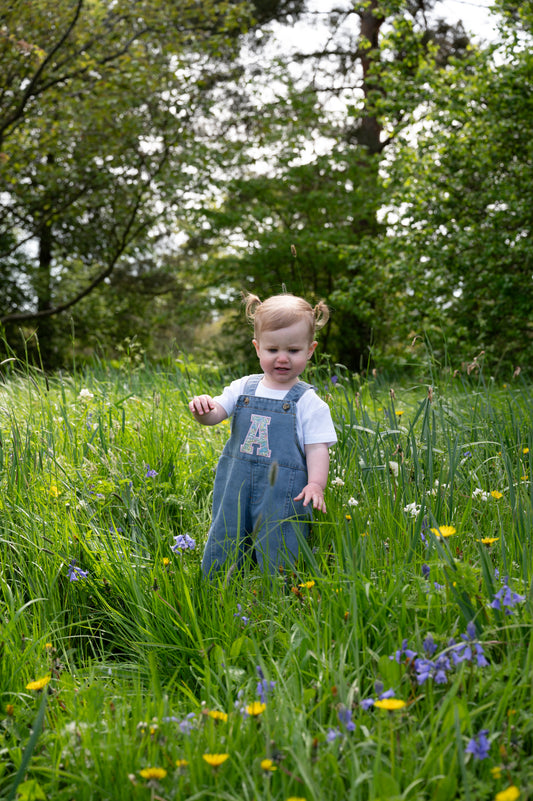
443,531
242,617
215,760
38,684
332,735
525,450
353,502
150,473
334,379
429,645
390,704
403,651
10,710
264,687
488,540
255,708
479,493
497,495
345,717
337,482
399,412
53,491
432,669
181,763
511,793
507,597
85,394
479,745
425,571
268,764
153,773
366,703
308,584
469,649
496,772
182,542
412,509
75,573
166,561
348,518
217,715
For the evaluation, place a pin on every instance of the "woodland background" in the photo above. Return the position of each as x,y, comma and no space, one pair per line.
158,158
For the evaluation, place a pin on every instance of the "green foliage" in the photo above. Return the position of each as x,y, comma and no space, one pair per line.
146,666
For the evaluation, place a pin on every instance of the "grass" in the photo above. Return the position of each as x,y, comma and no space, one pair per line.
151,669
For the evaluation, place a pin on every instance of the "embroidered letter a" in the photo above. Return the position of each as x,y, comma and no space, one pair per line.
257,435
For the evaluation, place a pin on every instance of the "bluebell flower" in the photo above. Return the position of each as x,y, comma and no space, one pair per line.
366,703
429,645
239,614
150,473
332,735
387,694
186,725
403,651
75,573
182,542
479,745
425,571
345,717
505,597
264,687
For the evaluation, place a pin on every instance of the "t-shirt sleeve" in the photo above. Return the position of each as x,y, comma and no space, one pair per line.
229,395
317,424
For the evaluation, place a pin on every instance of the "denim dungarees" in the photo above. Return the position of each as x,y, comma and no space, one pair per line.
261,469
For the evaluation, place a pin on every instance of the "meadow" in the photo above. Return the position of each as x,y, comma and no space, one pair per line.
394,662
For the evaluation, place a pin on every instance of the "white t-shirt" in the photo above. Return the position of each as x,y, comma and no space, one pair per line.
313,417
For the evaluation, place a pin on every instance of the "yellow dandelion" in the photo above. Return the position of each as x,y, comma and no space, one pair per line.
48,646
215,759
181,763
496,494
307,584
525,450
255,708
399,413
166,561
268,764
296,798
38,684
390,703
511,793
489,540
217,715
53,491
496,772
443,531
524,478
153,773
348,518
10,710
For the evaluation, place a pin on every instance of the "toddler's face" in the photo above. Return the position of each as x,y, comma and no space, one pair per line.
284,353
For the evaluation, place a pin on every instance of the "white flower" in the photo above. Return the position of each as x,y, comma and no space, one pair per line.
412,509
394,467
353,502
85,394
479,493
337,482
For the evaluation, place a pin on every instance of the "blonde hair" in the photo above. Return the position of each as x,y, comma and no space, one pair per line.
281,311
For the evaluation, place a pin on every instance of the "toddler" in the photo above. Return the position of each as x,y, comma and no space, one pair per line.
275,464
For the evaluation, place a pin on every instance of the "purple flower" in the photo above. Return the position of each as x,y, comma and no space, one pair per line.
366,703
387,694
425,571
403,651
75,573
334,379
150,473
429,645
242,617
345,717
332,735
264,687
182,542
506,597
479,745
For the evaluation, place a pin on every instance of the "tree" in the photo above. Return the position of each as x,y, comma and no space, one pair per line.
319,185
99,112
461,202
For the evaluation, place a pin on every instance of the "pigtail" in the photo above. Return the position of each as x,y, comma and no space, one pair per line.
321,313
251,304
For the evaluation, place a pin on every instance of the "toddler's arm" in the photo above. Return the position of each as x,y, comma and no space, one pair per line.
317,456
206,410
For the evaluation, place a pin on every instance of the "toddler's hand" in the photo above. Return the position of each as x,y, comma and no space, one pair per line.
201,404
314,493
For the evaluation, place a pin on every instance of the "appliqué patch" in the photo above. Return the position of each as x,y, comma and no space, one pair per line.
257,436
